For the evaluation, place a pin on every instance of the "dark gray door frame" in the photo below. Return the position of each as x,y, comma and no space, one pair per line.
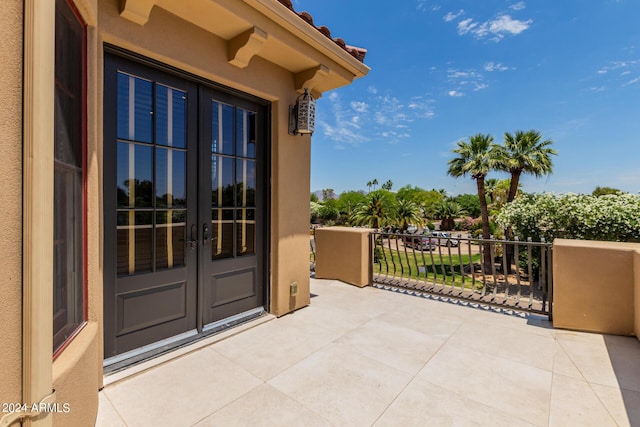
199,265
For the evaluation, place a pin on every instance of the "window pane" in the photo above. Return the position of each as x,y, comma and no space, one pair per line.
246,133
135,183
67,249
246,183
171,117
222,181
221,233
68,201
246,224
222,128
171,175
135,121
170,238
134,249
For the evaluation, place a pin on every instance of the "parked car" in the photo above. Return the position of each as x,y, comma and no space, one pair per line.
444,239
422,243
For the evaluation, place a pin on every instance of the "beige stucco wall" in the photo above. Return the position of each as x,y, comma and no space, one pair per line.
636,272
75,381
594,286
11,20
343,253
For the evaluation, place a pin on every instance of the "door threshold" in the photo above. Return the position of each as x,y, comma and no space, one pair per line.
131,363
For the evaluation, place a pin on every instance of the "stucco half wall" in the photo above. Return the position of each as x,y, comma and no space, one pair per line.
344,253
597,286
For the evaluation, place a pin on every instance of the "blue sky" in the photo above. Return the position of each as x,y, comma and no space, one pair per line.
443,70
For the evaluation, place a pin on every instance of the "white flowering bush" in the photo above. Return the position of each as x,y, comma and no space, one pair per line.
613,217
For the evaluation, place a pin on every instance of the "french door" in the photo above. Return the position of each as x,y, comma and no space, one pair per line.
185,205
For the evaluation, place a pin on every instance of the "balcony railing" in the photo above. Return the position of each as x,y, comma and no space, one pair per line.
513,274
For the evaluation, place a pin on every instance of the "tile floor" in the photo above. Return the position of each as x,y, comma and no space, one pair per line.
362,357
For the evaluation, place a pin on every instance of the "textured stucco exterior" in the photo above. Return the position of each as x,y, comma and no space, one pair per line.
595,286
344,253
295,55
11,195
636,299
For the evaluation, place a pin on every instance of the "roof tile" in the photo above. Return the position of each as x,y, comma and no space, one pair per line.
357,52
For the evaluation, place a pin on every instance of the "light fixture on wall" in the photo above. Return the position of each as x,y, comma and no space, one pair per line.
302,116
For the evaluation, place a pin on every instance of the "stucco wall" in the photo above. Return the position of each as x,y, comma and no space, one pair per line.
343,253
11,20
636,272
594,286
75,381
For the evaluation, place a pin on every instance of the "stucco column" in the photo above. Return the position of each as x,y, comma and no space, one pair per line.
38,132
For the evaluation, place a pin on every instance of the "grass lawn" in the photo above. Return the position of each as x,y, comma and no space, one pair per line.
427,265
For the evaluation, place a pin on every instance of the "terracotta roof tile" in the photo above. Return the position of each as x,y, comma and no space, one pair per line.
357,52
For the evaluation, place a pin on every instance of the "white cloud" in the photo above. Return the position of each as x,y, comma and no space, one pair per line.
372,89
496,28
466,78
518,6
455,93
633,81
379,117
492,66
359,106
466,25
343,126
423,109
506,24
595,89
452,16
423,5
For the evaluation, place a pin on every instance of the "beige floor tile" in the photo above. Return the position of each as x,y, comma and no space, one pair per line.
517,389
343,386
591,357
180,392
624,353
264,406
399,347
272,348
367,301
563,365
425,404
422,318
515,344
573,403
107,415
623,405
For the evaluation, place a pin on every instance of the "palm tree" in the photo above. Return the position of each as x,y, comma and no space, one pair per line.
408,212
447,211
374,212
477,157
387,185
369,184
490,185
374,183
524,152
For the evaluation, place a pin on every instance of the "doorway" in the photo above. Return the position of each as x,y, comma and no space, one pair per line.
185,204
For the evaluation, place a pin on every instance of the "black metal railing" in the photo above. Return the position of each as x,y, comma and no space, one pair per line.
312,251
513,274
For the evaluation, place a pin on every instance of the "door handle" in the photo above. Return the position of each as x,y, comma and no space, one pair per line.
193,242
205,234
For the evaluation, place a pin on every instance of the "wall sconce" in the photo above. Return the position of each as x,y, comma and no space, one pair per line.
302,116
